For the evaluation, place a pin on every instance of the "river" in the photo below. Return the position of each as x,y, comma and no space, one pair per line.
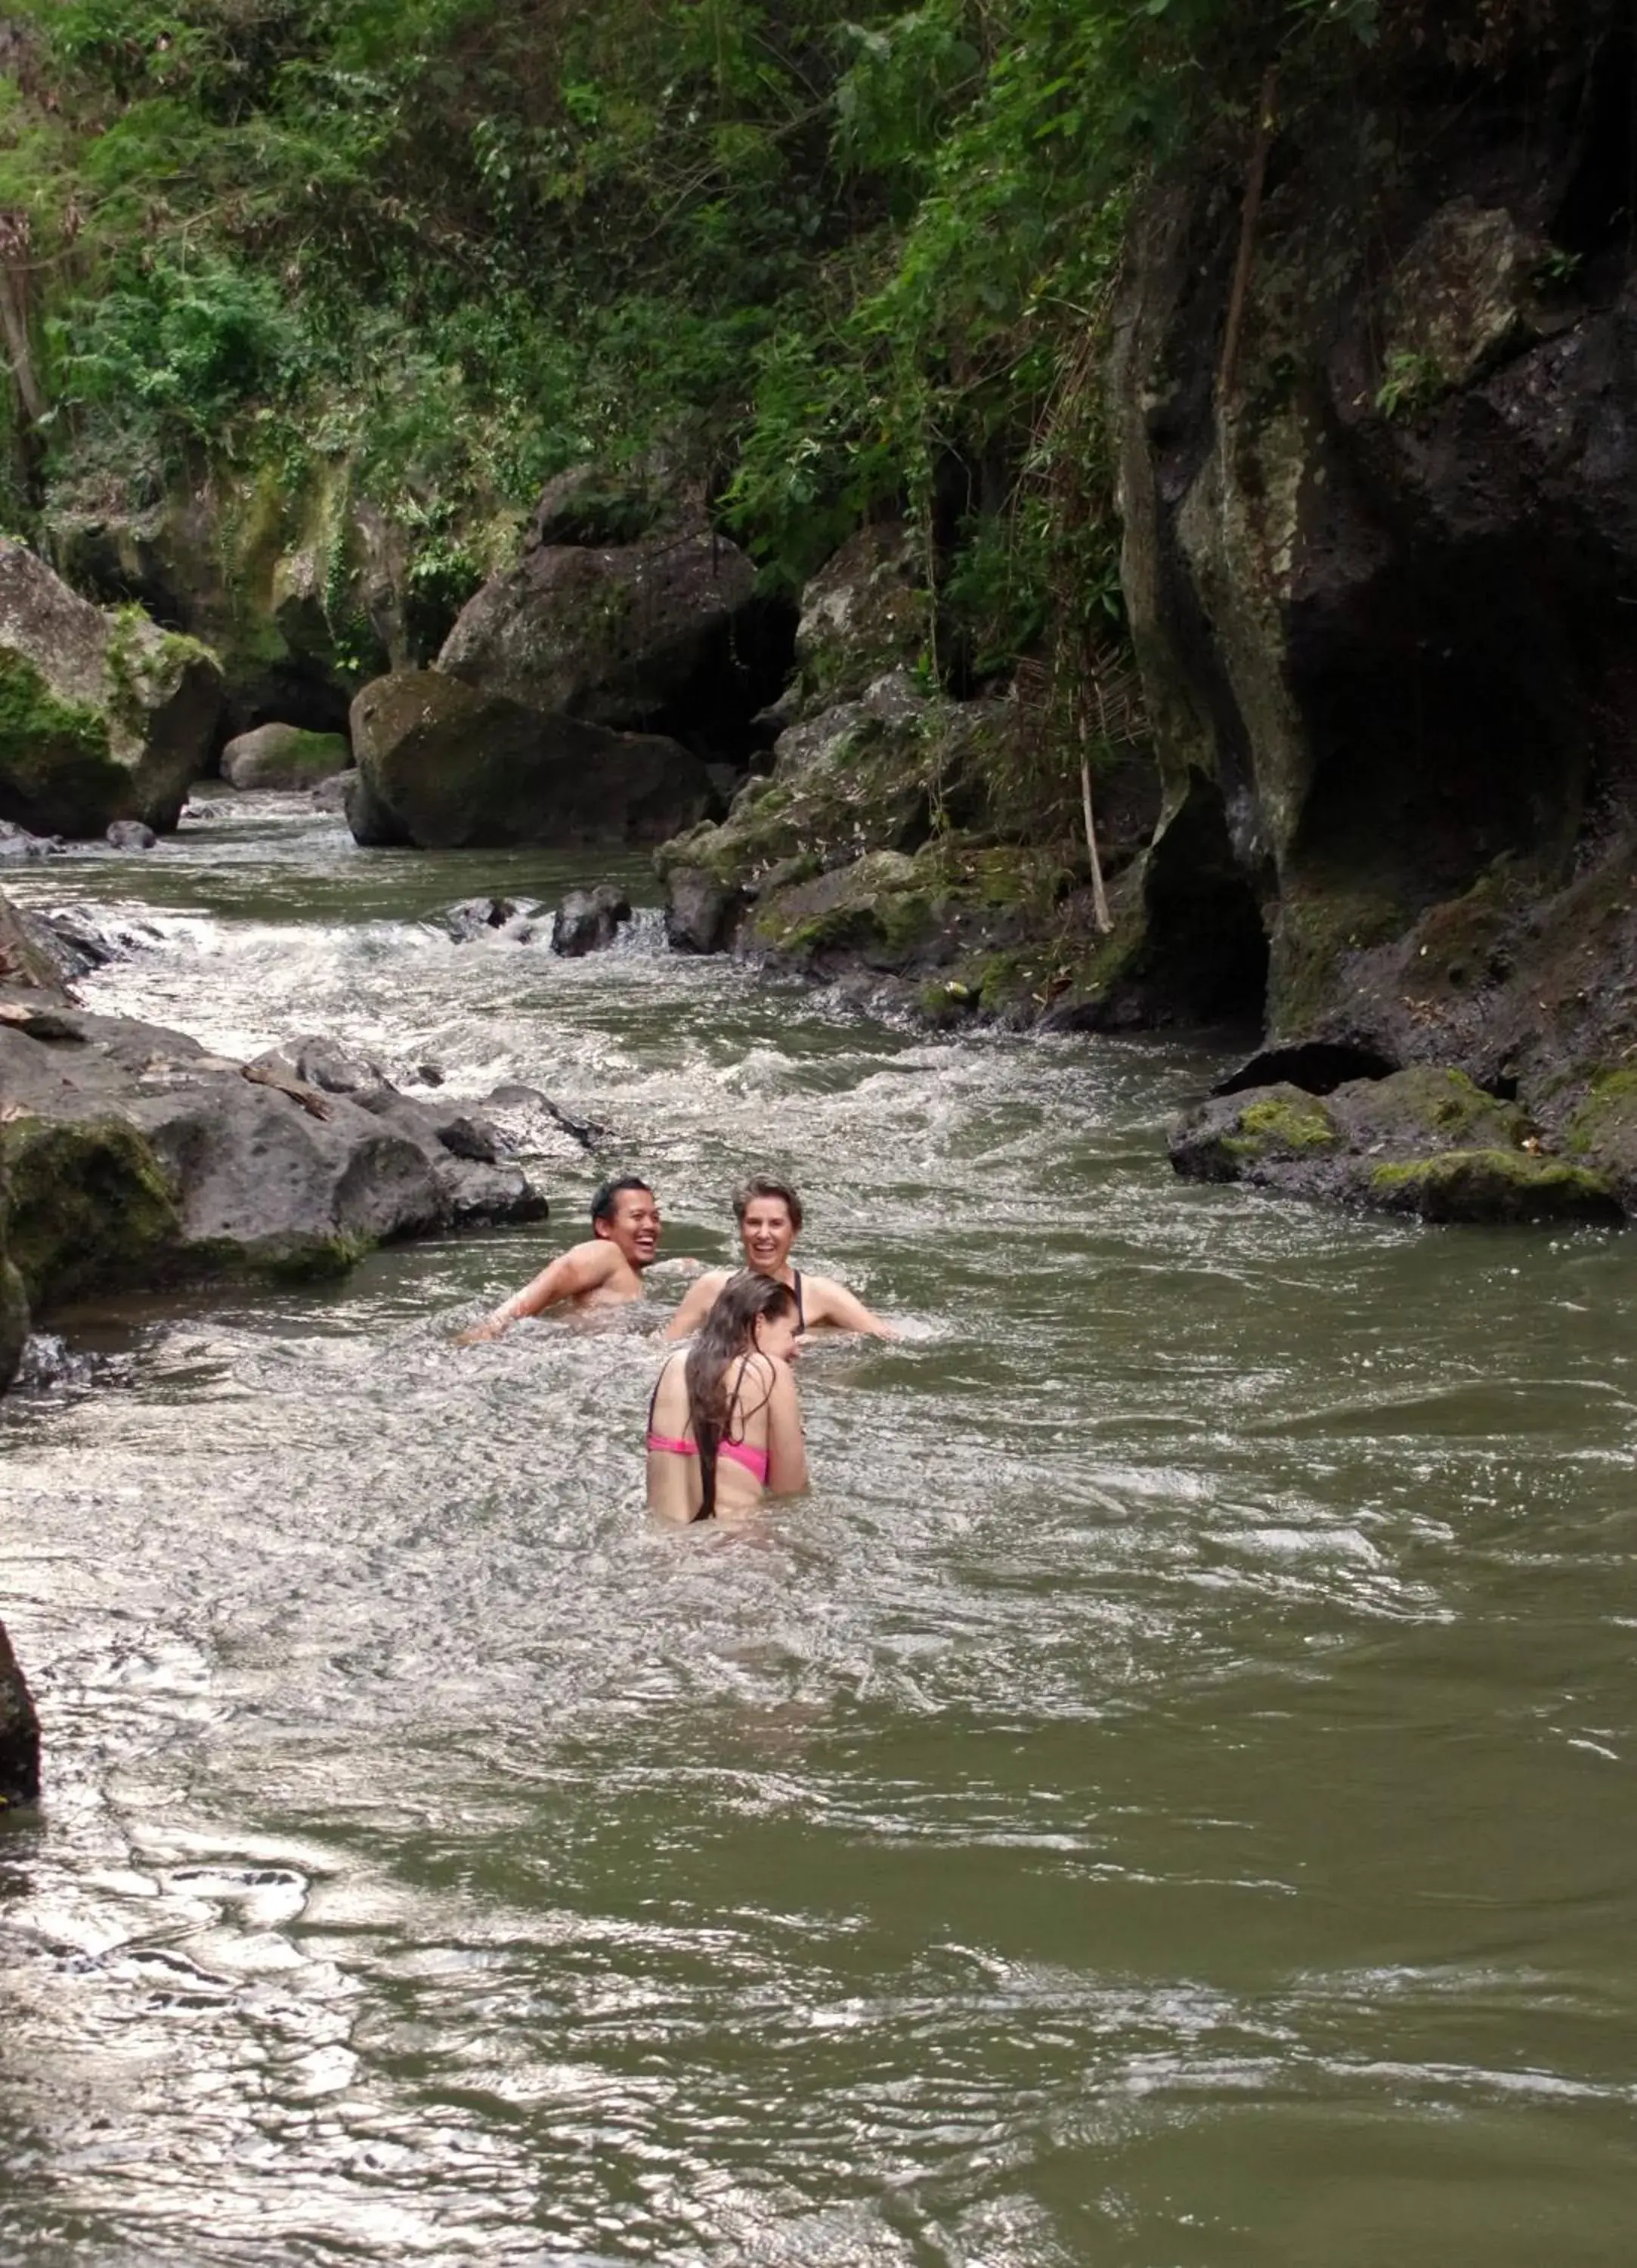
1164,1799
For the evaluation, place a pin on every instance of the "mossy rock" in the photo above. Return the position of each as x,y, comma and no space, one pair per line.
102,715
284,756
876,909
55,763
866,611
91,1208
1426,1107
1237,1138
1289,1125
1494,1185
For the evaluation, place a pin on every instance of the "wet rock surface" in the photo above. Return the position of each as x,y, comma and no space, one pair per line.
16,842
444,766
102,715
19,1733
134,1157
130,834
515,919
589,921
284,756
1424,1140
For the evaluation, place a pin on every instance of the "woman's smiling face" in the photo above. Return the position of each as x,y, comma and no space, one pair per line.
767,1233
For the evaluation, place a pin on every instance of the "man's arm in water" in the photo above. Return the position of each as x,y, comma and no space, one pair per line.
582,1269
701,1298
827,1301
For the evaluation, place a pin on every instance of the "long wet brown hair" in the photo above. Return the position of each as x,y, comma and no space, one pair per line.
727,1332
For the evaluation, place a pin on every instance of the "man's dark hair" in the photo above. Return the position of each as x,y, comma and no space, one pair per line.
763,1185
607,1197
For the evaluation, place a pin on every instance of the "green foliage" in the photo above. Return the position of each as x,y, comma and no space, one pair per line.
808,260
180,349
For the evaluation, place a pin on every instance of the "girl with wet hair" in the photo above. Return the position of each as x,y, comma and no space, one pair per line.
724,1426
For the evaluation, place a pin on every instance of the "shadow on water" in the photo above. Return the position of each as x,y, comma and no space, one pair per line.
1161,1799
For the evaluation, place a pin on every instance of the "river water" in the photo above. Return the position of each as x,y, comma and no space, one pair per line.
1166,1798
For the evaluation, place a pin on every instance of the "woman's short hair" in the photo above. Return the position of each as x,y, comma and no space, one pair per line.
764,1185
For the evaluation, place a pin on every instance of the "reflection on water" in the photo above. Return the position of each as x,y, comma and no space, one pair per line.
1164,1799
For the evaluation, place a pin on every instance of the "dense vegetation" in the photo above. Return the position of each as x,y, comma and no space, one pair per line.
815,258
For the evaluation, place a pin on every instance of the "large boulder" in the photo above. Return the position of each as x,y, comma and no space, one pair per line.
300,589
867,611
1424,1140
284,756
589,921
19,1733
446,766
135,1157
630,635
13,1300
102,715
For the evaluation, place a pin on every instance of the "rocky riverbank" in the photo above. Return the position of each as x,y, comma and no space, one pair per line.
133,1157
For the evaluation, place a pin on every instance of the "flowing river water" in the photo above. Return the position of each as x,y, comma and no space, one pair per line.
1163,1800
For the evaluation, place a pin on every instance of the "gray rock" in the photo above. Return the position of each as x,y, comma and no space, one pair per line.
445,767
79,938
587,921
106,716
284,756
864,613
702,914
19,1733
16,842
131,834
139,1157
331,794
617,636
1423,1141
472,917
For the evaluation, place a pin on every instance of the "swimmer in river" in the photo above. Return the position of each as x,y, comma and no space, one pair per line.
769,1215
605,1271
724,1424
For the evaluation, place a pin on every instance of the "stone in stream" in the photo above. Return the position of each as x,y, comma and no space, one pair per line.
16,842
445,767
588,921
284,756
473,917
19,1733
130,834
136,1158
1424,1141
701,912
616,634
102,715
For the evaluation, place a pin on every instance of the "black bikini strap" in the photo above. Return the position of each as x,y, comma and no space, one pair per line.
801,1305
653,1398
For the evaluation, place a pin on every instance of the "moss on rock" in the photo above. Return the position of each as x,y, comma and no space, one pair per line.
54,756
1494,1185
92,1208
1291,1125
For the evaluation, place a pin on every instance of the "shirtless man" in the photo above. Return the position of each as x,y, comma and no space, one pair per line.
769,1215
603,1272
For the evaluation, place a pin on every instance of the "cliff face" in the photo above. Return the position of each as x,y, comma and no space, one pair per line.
1381,558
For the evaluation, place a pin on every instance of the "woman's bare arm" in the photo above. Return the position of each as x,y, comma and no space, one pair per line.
827,1301
697,1303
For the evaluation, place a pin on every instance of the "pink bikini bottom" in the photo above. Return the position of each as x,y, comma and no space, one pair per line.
740,1453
